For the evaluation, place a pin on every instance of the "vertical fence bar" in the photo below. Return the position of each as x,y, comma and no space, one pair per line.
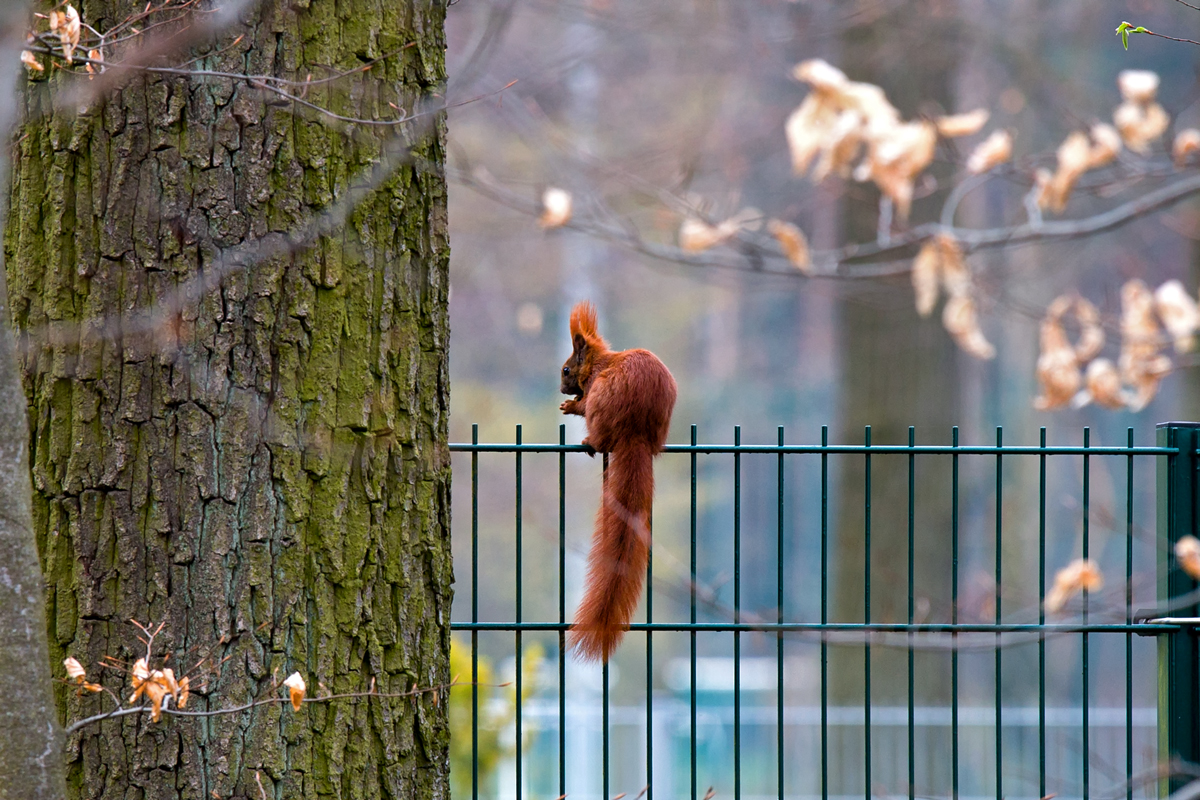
604,677
474,613
867,613
779,618
1128,619
604,733
650,665
912,480
737,614
519,582
954,617
1042,616
692,633
562,612
1087,500
824,612
1178,659
999,583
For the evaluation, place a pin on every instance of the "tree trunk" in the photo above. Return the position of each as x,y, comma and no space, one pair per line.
897,370
262,468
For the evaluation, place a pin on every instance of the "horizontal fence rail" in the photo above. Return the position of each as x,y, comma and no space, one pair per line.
735,676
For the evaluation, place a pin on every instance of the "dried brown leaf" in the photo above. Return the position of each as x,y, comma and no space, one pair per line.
960,319
66,24
75,670
296,689
1179,314
1102,383
956,278
1106,145
30,61
1139,327
896,156
793,243
926,279
991,152
820,75
155,688
1137,85
1082,574
1186,142
1187,553
841,146
1074,158
1091,333
1140,125
556,208
1057,366
95,55
963,124
696,235
807,128
138,677
1141,364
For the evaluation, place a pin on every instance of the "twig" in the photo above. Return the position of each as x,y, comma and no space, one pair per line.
121,712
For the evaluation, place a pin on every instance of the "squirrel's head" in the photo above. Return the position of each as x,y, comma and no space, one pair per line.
585,343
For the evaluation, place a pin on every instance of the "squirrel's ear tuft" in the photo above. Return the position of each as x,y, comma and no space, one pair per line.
583,319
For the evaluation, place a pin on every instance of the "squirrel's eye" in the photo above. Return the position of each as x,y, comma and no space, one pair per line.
566,371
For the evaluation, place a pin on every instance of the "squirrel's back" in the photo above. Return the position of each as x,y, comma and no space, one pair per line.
631,400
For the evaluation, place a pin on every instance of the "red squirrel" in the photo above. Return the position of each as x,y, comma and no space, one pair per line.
626,397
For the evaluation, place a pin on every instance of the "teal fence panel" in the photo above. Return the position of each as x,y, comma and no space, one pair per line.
733,678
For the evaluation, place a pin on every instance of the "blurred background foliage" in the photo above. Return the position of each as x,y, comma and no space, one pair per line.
627,104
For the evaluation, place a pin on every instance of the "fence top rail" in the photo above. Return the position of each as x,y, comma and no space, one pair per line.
840,449
1145,628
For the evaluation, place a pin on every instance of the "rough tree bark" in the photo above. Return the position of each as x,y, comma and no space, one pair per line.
267,467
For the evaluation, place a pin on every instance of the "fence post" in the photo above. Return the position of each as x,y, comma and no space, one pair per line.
1178,657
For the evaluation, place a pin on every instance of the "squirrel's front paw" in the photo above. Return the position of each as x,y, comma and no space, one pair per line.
571,407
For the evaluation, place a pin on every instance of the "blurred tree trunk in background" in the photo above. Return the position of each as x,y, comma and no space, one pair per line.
264,471
30,738
897,370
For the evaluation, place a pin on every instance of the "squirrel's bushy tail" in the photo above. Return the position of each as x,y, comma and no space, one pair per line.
620,550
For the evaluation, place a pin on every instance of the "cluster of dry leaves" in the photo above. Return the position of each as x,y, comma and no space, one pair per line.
1149,322
160,686
1138,122
67,26
940,266
850,129
841,120
157,686
1083,574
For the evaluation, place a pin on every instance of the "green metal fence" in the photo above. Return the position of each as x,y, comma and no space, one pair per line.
774,746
